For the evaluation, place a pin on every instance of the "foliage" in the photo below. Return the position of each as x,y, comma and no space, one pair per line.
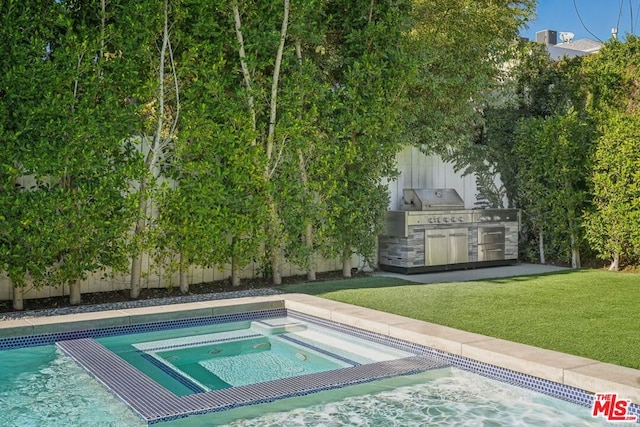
554,157
613,225
613,82
214,207
540,98
461,47
614,100
205,132
156,119
369,68
64,170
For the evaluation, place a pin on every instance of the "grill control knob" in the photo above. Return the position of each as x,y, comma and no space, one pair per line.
445,219
454,219
460,219
496,218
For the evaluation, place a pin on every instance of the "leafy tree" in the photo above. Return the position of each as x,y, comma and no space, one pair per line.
461,48
158,98
312,162
266,29
614,99
368,63
534,88
612,77
613,225
554,153
213,213
64,166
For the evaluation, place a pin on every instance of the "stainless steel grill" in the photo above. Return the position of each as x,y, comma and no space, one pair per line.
423,199
433,231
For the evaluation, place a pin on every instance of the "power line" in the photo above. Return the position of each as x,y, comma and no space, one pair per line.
575,6
619,14
631,15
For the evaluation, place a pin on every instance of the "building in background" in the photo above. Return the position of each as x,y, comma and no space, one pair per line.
561,44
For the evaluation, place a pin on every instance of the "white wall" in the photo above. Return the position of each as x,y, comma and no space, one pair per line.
418,170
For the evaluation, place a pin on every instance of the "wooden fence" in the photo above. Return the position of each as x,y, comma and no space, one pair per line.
155,278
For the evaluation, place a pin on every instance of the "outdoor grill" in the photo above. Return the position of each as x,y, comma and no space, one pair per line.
433,231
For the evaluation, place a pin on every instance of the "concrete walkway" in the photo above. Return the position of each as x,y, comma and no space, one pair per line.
476,273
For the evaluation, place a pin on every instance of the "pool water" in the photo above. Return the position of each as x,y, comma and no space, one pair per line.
446,397
42,386
214,357
39,386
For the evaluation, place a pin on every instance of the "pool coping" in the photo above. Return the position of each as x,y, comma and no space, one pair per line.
582,373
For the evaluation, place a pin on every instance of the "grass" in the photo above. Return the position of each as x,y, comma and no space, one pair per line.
589,313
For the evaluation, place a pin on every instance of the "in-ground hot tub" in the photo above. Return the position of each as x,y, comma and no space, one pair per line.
35,369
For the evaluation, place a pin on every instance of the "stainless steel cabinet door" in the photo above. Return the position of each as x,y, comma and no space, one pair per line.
458,245
446,246
436,250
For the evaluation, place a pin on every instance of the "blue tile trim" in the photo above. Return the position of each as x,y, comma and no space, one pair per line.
560,391
50,339
320,350
173,374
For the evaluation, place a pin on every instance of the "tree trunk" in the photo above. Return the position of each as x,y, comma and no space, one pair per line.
541,245
136,276
18,298
615,262
75,294
311,270
243,64
235,271
184,282
575,254
276,262
346,262
308,233
235,268
136,259
304,178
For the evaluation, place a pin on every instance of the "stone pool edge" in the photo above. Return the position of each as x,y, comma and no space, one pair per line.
579,372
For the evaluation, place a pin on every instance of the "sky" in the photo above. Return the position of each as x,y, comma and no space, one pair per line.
598,17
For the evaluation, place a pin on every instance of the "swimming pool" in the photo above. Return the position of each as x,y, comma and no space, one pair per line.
422,394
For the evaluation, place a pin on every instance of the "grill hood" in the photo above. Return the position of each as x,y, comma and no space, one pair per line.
429,199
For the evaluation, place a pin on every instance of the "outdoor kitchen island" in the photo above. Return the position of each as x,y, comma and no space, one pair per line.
434,232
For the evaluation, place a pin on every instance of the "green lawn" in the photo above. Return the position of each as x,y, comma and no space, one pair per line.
590,313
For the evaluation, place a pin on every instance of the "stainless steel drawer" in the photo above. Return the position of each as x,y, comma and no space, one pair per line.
488,235
491,252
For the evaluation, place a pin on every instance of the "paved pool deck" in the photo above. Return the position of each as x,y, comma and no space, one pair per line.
586,374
